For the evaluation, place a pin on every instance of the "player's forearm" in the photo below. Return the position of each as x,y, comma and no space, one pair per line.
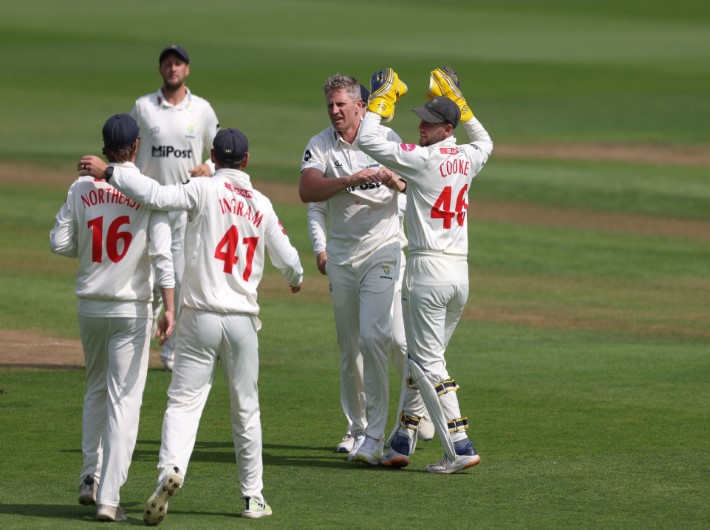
147,191
283,255
392,155
62,237
168,296
478,135
319,189
316,226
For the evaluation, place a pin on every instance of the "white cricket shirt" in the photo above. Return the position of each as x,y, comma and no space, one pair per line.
361,219
438,181
231,226
173,138
115,239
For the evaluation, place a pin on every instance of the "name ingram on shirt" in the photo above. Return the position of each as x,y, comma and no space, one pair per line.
236,206
167,151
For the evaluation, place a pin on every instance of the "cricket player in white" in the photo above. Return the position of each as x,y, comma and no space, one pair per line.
231,227
352,376
437,175
176,128
116,239
361,259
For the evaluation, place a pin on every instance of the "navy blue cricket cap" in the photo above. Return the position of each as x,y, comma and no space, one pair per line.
439,109
230,146
120,130
177,50
364,93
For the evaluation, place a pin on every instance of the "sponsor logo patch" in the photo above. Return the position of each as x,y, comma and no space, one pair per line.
449,150
239,191
168,151
407,147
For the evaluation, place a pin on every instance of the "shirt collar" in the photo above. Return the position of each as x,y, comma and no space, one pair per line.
182,105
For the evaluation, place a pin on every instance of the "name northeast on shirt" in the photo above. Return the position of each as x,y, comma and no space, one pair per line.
107,196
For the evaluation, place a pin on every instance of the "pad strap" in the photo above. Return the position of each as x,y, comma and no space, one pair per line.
446,386
409,422
460,424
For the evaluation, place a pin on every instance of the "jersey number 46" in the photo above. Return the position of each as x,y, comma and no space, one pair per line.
442,207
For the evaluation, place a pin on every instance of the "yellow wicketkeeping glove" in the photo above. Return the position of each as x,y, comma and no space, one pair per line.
385,90
444,82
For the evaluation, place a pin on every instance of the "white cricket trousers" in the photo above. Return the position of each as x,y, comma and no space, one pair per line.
203,339
362,296
116,354
434,293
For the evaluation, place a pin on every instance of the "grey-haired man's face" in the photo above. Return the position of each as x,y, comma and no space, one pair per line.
343,110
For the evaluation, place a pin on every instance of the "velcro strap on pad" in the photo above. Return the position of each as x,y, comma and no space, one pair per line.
446,386
460,424
409,422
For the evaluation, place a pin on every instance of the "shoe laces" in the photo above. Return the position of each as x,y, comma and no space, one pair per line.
370,444
249,500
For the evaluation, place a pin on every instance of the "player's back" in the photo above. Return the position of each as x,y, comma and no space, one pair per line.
111,238
225,243
438,202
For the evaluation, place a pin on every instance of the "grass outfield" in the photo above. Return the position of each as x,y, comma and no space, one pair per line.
583,352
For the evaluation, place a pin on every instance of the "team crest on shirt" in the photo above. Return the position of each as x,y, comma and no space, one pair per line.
407,147
386,272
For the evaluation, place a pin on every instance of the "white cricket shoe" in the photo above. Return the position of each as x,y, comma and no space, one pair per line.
254,509
370,451
346,444
88,490
168,365
358,440
426,430
466,457
110,513
157,506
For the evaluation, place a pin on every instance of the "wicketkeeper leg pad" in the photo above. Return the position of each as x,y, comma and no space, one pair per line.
409,422
433,406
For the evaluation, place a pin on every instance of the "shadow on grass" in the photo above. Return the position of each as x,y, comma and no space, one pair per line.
87,514
288,455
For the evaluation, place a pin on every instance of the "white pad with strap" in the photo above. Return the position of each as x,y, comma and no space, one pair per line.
433,406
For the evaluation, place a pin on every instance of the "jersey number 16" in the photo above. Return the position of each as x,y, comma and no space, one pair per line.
113,237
